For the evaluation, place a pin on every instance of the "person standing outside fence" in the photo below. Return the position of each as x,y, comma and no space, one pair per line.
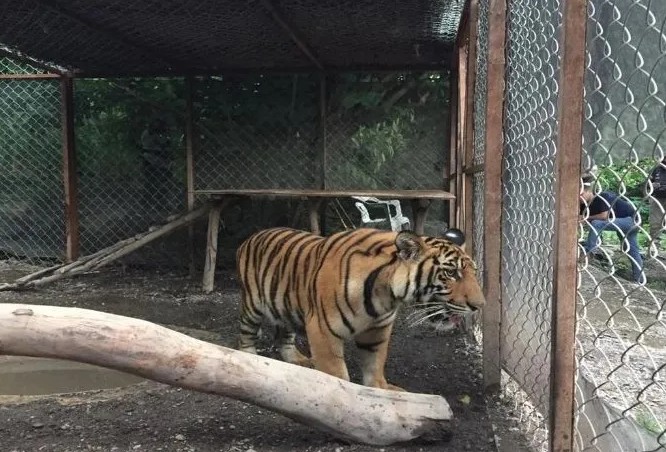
609,212
658,204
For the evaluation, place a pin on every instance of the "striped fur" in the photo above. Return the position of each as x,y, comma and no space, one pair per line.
346,286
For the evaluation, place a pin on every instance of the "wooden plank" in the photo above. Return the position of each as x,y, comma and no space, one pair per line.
468,135
567,171
443,64
189,166
69,169
493,194
288,193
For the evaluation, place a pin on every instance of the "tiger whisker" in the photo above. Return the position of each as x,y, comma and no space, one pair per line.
425,311
426,317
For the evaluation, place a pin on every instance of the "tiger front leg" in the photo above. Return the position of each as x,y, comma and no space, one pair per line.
373,347
327,350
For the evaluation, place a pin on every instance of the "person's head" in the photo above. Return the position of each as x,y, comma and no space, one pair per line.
588,190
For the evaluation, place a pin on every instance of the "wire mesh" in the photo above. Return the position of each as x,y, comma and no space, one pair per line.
31,190
257,132
387,131
480,93
528,208
119,37
130,156
621,397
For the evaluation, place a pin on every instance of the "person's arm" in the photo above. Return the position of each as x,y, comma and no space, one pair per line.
599,216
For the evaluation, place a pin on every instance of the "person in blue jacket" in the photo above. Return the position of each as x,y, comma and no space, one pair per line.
607,211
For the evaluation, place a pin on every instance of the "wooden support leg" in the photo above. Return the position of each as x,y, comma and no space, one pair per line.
313,210
420,210
211,248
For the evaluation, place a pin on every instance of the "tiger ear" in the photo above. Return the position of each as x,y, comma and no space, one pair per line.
455,236
410,246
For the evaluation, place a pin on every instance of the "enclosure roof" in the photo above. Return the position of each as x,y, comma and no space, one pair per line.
163,37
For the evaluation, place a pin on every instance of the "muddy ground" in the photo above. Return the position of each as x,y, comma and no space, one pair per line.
153,417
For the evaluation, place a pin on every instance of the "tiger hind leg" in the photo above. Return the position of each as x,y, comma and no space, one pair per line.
250,326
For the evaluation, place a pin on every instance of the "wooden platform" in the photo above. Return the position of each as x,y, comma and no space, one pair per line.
420,201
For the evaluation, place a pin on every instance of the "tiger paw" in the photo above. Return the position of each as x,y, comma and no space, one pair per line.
394,387
304,362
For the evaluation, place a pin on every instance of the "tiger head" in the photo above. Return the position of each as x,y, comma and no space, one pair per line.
441,274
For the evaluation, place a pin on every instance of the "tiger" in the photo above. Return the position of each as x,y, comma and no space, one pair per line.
347,286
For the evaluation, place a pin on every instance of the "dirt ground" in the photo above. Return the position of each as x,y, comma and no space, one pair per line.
153,417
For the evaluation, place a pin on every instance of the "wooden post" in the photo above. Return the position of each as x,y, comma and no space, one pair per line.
211,244
314,206
189,165
70,179
453,147
492,312
460,129
211,249
468,137
420,210
567,171
322,132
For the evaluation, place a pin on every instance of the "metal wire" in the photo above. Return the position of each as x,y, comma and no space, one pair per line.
621,397
528,208
31,189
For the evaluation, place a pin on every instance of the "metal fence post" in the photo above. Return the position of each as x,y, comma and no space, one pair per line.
567,166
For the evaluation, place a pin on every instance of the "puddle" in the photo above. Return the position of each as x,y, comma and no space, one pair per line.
42,376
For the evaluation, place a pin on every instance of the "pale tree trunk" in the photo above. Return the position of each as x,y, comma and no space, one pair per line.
344,409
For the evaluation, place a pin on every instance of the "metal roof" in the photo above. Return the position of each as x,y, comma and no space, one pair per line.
167,37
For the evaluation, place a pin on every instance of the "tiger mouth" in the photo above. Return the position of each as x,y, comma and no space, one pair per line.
461,310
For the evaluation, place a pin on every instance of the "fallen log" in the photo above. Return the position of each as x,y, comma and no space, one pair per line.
107,255
346,410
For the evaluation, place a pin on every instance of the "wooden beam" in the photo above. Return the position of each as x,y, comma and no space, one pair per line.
111,35
565,239
278,17
492,312
444,65
69,169
468,133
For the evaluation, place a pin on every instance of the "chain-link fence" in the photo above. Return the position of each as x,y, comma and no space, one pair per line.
532,69
31,189
363,131
131,162
621,337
